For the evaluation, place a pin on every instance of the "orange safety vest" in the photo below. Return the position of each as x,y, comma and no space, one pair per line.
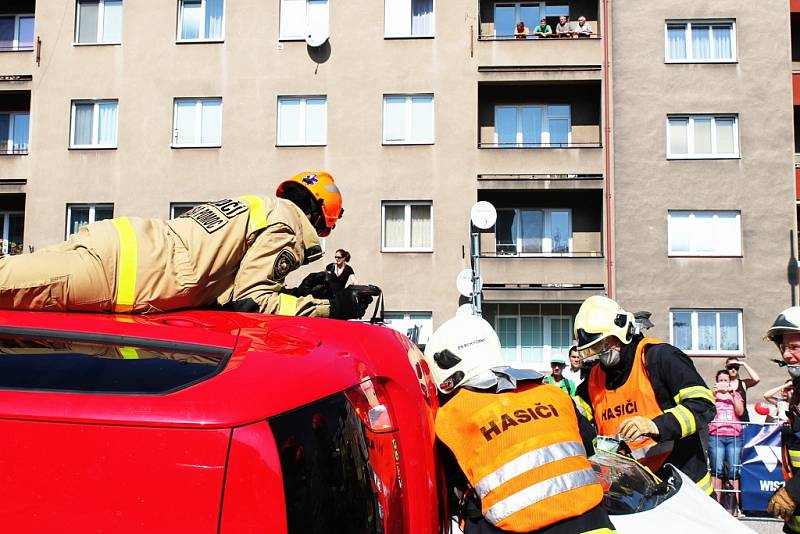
634,397
522,452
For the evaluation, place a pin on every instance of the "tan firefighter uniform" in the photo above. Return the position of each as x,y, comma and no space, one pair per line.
222,252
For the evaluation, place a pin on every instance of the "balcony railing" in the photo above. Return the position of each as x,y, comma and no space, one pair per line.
22,47
540,255
15,150
554,37
568,144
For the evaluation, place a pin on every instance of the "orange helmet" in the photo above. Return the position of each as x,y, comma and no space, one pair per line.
322,187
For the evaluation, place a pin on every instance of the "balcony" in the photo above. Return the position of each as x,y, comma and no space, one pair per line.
500,44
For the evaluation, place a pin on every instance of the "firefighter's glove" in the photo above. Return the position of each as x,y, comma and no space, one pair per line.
781,504
351,302
316,285
637,426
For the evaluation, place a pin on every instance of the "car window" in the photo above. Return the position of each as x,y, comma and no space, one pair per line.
628,487
37,363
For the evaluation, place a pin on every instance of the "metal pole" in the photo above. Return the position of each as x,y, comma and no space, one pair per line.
792,269
475,250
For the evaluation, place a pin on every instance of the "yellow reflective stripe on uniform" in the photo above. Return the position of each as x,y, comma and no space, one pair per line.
538,492
129,353
288,305
705,484
794,458
600,531
530,460
258,213
583,407
685,418
694,392
126,265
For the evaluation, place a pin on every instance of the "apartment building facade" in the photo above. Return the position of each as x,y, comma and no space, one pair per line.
420,108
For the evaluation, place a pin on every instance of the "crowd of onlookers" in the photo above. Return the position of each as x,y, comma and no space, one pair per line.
564,28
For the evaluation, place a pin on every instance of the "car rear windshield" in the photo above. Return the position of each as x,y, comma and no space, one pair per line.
326,472
87,365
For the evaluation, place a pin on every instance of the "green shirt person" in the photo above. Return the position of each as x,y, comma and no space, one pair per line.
543,29
556,378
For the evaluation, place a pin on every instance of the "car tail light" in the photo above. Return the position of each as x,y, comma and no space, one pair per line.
371,403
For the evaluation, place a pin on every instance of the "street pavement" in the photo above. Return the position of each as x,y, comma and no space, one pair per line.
763,525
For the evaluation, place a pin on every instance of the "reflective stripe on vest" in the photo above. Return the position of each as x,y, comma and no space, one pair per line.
258,213
538,492
685,419
126,265
705,484
129,353
634,397
288,304
794,458
526,462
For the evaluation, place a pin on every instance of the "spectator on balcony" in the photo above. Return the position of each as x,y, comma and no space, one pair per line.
583,29
564,27
543,29
742,384
521,31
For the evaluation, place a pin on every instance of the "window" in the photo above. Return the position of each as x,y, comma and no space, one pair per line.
16,32
300,18
704,233
408,18
407,226
707,331
94,124
405,322
79,215
14,133
198,122
701,42
408,119
533,231
532,340
176,209
532,126
702,136
98,22
302,121
507,14
11,227
201,20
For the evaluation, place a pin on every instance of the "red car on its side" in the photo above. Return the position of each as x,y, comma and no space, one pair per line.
213,422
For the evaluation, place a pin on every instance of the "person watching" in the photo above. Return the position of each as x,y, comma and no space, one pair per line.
543,29
742,384
725,435
556,377
643,389
521,31
563,28
779,397
342,274
583,29
234,253
576,372
494,425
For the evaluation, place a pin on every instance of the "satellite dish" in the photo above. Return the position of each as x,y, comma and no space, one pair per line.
483,215
465,310
316,37
464,283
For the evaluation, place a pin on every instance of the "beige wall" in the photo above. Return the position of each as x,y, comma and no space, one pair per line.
760,183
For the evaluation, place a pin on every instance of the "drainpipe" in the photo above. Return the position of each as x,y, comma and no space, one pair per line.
608,178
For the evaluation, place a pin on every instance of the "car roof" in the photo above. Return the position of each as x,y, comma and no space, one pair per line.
269,365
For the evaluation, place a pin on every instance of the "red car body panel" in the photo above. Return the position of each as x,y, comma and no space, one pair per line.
160,463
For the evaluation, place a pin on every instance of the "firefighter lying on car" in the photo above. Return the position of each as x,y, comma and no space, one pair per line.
514,449
235,253
643,391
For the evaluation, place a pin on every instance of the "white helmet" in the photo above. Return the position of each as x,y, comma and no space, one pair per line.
787,321
460,349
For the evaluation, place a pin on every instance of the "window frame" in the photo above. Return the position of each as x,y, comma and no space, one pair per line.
688,40
406,225
694,351
188,205
410,35
545,131
546,238
17,18
100,30
407,116
683,254
95,145
690,136
202,29
198,127
92,213
6,218
303,104
426,329
547,338
284,37
12,117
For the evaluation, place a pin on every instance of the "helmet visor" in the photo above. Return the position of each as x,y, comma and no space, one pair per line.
587,338
597,348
